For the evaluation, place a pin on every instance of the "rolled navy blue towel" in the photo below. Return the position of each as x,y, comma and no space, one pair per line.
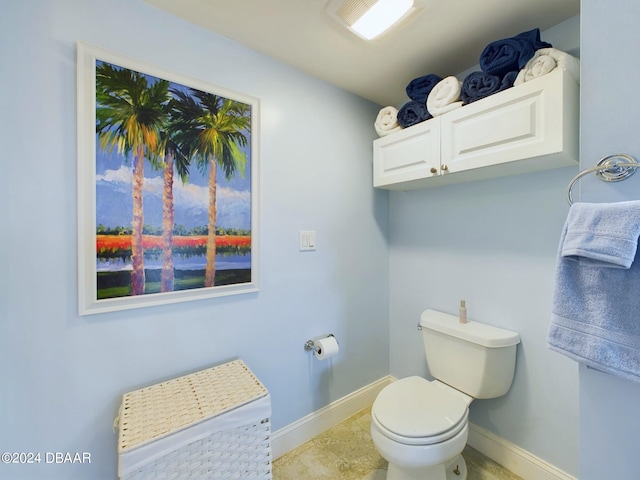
503,56
419,88
508,80
479,85
412,113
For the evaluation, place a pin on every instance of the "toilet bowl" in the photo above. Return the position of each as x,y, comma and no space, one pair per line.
420,428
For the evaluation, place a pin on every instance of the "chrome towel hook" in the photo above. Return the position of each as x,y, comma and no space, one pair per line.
612,168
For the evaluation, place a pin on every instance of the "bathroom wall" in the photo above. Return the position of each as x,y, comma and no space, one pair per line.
492,243
610,117
62,376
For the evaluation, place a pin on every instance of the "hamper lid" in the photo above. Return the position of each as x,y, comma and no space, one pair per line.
159,410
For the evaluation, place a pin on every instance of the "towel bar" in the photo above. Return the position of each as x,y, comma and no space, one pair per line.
612,168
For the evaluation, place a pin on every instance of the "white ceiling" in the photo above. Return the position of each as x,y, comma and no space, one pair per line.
446,37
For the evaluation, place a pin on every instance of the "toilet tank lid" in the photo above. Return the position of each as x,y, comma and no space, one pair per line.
476,332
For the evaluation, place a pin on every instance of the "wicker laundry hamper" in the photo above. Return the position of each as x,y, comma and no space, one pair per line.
211,424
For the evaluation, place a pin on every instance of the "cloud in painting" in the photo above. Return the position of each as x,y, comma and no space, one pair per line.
119,180
191,201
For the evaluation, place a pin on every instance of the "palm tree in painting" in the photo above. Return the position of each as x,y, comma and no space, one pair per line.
172,159
130,115
212,130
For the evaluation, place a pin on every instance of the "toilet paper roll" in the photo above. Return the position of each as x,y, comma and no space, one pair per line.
326,347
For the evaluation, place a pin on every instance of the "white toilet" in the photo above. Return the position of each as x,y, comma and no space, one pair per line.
421,426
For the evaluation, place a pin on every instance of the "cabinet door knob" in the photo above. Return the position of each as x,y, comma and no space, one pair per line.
434,170
445,168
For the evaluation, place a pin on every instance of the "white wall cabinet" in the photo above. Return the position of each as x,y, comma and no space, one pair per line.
533,126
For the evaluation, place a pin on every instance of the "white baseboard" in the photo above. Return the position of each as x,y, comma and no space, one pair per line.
512,457
303,430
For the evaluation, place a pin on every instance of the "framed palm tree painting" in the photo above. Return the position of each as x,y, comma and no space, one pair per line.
167,186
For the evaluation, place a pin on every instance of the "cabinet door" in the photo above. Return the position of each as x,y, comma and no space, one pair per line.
411,154
525,128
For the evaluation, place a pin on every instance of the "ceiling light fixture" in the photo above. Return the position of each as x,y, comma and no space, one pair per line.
369,18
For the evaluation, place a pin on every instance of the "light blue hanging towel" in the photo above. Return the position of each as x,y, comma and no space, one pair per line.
596,304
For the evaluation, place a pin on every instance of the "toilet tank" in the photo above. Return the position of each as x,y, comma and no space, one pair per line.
473,357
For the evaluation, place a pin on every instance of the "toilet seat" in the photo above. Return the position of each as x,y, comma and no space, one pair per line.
415,411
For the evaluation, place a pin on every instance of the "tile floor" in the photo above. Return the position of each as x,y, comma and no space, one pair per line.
346,452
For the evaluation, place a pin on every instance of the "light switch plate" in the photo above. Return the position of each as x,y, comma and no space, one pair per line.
307,240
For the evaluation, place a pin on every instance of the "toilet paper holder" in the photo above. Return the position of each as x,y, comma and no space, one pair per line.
310,345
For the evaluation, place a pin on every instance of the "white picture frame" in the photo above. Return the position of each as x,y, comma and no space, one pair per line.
165,124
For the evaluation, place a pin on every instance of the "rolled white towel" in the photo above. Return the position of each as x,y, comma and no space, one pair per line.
387,121
445,96
546,60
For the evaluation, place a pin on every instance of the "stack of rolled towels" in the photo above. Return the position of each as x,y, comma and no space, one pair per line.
415,111
504,63
500,62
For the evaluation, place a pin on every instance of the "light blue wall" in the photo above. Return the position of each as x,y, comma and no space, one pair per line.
62,375
610,115
492,243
